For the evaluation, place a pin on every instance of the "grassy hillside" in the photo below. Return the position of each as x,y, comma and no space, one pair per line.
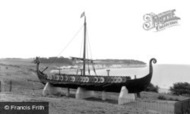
26,87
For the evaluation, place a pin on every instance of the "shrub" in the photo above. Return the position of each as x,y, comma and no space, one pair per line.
152,88
181,88
161,97
173,99
176,99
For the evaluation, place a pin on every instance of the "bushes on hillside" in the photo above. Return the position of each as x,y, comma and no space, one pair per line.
56,60
162,97
152,88
180,88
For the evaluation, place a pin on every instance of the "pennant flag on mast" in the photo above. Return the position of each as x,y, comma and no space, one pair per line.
82,15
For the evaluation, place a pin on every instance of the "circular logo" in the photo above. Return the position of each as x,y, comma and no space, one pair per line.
6,107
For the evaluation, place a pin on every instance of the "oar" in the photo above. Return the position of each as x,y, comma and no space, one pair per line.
45,69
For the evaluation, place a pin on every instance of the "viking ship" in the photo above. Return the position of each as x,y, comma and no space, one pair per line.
95,82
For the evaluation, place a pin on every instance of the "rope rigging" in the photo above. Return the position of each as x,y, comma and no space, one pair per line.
53,61
89,55
89,61
70,41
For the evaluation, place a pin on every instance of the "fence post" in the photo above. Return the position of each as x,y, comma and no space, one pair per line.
0,86
33,88
10,87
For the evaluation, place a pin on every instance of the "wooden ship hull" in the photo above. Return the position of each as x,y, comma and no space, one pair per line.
97,82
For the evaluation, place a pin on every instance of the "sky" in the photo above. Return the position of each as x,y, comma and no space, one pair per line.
30,28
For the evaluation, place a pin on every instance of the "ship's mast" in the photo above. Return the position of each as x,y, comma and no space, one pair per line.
84,50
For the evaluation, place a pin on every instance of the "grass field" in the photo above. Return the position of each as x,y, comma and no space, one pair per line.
26,87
